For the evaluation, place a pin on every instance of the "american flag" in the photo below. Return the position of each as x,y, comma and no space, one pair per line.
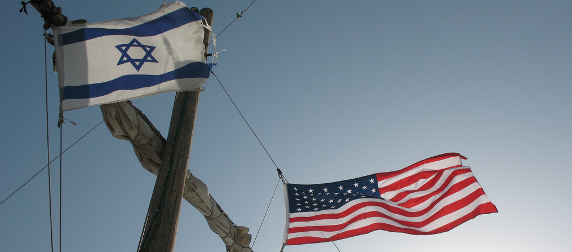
431,196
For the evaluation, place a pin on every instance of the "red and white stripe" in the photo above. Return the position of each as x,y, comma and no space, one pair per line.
428,197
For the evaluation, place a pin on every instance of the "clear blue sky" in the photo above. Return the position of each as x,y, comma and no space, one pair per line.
335,90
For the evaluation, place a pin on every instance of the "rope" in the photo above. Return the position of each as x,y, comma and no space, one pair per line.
252,130
237,17
280,174
47,136
54,159
336,246
61,182
143,231
266,213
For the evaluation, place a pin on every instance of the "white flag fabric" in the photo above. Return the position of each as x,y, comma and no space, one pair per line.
129,58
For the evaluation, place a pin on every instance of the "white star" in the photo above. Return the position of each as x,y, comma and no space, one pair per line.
299,209
364,187
341,187
373,190
325,189
356,184
305,197
331,201
311,191
314,199
347,199
371,181
295,189
297,194
350,191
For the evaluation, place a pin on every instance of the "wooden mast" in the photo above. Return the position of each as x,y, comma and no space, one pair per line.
163,215
52,15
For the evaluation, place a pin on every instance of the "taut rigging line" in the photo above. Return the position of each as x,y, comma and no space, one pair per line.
54,159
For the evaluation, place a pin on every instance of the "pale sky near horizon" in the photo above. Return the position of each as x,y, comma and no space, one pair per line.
335,90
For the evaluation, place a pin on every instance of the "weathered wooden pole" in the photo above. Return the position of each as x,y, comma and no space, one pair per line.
163,215
51,14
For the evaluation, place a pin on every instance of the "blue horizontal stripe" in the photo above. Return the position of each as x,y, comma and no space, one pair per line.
152,28
132,82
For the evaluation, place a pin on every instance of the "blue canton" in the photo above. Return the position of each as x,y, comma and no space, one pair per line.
310,198
137,63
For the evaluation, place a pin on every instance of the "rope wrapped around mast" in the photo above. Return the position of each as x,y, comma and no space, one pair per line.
126,122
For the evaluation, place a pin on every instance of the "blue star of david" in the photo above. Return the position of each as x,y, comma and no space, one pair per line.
137,63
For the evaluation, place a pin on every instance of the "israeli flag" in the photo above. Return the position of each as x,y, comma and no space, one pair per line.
129,58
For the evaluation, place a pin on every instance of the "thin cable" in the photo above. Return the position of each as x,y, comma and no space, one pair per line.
280,175
336,246
312,217
54,159
254,133
247,7
48,141
227,26
143,231
61,182
266,213
237,17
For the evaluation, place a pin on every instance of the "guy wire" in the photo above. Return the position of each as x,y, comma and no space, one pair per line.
237,17
252,130
46,166
48,141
